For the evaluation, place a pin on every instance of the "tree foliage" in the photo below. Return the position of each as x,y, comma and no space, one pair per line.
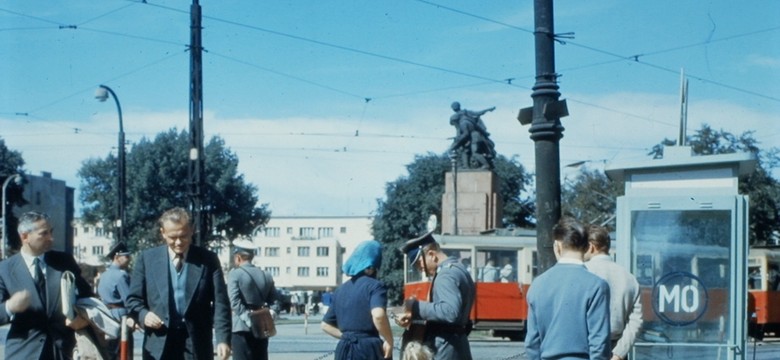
410,200
11,163
591,197
760,186
157,180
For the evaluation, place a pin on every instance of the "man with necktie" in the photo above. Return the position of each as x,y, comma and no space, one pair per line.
178,295
30,295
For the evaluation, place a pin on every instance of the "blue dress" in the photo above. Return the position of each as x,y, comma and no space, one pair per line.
350,312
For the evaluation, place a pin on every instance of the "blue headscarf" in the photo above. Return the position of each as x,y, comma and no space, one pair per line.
367,254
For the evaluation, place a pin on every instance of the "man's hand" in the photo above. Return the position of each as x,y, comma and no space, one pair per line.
129,322
223,351
152,321
77,323
387,348
18,302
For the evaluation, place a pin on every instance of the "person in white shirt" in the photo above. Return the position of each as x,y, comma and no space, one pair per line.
625,303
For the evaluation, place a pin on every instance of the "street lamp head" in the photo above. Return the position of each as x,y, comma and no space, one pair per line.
18,179
101,93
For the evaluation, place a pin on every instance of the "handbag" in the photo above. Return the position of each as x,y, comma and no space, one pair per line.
263,325
261,319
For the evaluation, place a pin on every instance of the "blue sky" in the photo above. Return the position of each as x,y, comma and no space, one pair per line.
286,83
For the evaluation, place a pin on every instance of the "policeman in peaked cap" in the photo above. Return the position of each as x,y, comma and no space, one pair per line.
113,288
446,311
119,249
414,248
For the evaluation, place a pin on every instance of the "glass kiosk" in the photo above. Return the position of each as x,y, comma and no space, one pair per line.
682,231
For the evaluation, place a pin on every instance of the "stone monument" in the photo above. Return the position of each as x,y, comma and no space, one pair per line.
471,202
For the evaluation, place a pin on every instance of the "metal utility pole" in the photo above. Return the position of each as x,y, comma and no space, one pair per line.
196,162
546,131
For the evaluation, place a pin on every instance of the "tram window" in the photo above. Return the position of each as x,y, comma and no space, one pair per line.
497,265
773,277
754,278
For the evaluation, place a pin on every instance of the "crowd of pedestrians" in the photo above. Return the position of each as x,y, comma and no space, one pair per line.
585,306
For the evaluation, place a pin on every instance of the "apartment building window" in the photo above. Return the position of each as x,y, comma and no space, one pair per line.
343,230
289,231
272,251
272,232
324,232
287,270
306,232
289,251
322,271
303,271
303,251
97,250
75,231
323,251
98,231
86,230
272,270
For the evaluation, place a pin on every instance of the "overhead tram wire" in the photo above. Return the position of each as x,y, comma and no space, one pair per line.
92,87
635,58
503,81
297,78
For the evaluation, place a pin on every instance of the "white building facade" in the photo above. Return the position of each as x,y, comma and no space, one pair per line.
306,253
91,243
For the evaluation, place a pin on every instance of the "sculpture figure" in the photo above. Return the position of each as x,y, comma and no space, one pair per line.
472,142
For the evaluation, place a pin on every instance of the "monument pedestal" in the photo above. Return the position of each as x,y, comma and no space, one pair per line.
479,204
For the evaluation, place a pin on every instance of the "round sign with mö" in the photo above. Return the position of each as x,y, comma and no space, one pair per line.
680,298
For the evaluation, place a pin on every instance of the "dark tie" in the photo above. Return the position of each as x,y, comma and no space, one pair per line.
40,280
178,262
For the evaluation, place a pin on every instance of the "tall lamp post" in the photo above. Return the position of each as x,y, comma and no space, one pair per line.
17,179
102,94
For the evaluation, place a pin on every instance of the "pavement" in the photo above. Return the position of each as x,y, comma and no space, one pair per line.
288,326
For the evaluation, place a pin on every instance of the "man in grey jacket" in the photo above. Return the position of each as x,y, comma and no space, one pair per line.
249,289
625,305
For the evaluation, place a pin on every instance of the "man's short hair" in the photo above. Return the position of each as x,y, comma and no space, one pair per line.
28,221
571,233
177,215
599,236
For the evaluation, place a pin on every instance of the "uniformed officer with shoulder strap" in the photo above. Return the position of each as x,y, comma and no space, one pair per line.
452,295
249,289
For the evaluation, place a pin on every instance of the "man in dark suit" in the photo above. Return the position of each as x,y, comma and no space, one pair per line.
178,294
30,294
250,289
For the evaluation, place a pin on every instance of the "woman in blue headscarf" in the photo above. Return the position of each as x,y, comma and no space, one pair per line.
358,315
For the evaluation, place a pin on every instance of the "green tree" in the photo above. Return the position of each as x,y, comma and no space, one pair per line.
157,180
11,163
411,199
591,197
760,186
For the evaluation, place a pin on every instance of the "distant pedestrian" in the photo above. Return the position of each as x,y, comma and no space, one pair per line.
250,289
30,295
294,303
358,314
568,307
113,289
